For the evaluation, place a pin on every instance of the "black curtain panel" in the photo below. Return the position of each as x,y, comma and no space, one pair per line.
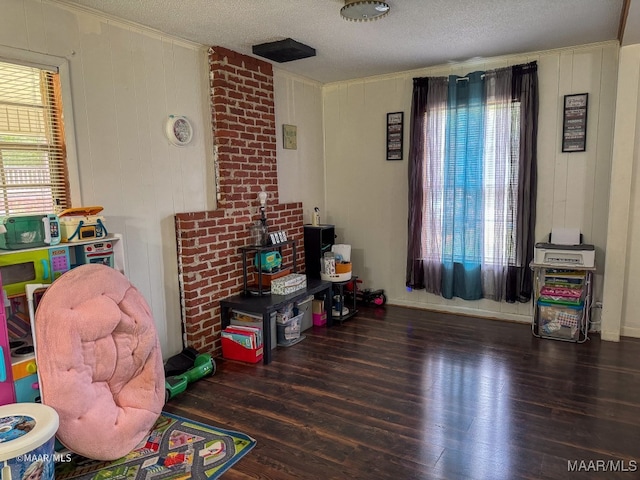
415,271
525,90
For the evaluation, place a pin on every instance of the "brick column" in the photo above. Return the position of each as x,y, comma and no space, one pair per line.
244,132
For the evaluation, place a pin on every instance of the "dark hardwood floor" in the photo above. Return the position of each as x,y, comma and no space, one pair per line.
398,393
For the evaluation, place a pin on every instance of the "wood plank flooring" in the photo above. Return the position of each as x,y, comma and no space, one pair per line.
398,393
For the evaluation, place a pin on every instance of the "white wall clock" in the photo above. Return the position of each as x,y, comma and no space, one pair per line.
179,130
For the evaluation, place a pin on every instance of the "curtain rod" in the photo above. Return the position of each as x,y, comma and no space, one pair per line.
466,79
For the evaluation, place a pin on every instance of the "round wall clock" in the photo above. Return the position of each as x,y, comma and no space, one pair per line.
179,130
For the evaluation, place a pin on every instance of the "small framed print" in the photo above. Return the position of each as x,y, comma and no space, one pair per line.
395,123
395,118
277,237
574,124
289,137
394,137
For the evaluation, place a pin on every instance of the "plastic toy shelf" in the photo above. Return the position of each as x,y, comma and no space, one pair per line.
559,320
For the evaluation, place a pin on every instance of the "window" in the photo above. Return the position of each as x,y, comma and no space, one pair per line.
472,181
33,157
500,183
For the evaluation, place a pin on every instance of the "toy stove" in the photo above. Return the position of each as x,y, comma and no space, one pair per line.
22,352
98,252
24,369
21,349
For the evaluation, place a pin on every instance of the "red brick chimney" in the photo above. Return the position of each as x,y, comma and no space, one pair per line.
244,132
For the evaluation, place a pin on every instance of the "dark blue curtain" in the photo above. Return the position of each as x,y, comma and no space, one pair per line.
463,215
450,156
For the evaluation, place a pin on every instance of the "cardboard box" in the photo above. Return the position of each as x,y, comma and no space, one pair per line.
318,306
267,278
288,284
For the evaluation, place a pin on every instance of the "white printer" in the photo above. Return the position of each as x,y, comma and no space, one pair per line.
565,250
564,256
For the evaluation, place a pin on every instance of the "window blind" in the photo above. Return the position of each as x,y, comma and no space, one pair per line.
33,169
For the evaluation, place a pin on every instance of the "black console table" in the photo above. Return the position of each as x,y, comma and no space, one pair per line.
266,305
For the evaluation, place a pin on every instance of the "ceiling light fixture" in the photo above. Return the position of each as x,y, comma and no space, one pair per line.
364,10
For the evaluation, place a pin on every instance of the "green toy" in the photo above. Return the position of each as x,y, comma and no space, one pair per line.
203,366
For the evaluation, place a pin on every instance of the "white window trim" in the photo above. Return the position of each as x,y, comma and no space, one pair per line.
50,62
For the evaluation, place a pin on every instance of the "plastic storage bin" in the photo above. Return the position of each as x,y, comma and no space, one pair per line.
304,308
27,436
289,331
320,319
234,351
559,321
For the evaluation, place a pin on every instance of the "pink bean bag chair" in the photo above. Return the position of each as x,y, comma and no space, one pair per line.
99,361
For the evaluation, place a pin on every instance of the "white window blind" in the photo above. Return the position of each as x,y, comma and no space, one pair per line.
33,168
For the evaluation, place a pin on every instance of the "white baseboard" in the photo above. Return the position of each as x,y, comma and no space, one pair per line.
630,332
469,312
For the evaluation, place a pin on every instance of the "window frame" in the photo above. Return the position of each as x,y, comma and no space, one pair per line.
61,65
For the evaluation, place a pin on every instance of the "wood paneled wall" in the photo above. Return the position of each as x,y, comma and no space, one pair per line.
124,82
367,195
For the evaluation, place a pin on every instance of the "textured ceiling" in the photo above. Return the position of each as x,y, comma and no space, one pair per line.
415,34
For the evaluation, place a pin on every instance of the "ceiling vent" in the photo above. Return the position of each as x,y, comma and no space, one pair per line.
285,50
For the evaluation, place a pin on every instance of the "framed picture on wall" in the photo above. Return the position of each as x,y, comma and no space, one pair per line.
290,137
395,123
574,123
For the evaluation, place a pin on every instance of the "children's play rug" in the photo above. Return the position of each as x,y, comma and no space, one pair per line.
176,448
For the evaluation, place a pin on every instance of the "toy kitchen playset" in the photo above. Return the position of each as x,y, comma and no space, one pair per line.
34,251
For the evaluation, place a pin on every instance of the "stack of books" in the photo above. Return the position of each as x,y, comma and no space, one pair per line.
242,343
562,287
